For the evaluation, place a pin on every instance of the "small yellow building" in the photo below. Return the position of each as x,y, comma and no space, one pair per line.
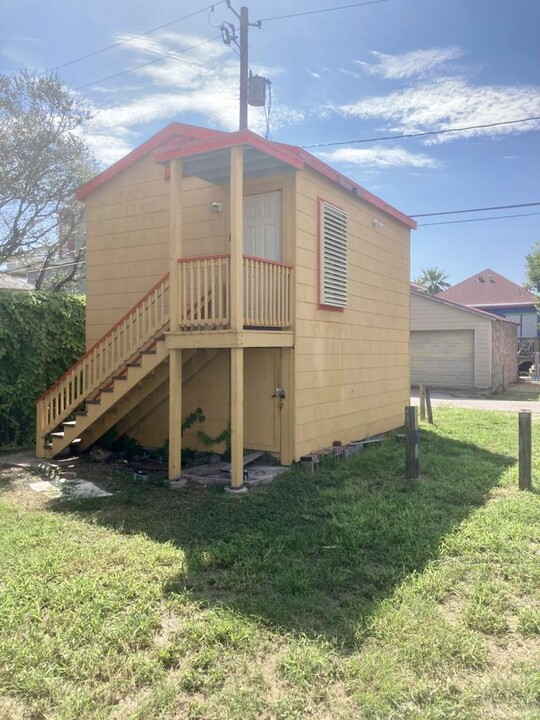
247,278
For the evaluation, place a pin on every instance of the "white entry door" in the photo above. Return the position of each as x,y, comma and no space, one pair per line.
262,225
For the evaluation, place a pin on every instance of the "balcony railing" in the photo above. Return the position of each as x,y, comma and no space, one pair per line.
267,287
204,293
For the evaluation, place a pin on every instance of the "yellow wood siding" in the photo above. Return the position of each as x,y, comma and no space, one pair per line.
210,390
351,367
348,376
128,237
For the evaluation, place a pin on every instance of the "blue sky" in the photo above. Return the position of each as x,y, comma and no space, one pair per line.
392,67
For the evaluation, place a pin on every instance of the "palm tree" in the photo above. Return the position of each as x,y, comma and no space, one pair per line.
433,279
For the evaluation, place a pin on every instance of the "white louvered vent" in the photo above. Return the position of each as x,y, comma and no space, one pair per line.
333,281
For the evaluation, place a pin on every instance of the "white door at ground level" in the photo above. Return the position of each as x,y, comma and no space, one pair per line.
262,225
444,358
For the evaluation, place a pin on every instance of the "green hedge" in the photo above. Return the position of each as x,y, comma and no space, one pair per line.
41,335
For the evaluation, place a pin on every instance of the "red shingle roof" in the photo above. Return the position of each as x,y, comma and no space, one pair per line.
488,289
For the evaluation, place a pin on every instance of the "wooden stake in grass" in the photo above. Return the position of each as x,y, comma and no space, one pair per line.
427,392
525,445
422,395
411,442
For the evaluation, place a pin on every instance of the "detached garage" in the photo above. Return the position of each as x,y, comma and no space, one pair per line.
456,346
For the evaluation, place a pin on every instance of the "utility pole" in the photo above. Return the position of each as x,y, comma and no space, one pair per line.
244,25
229,36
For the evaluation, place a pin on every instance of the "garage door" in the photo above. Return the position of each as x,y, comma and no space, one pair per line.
442,357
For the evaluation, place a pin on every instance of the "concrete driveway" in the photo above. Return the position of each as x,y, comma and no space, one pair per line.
442,397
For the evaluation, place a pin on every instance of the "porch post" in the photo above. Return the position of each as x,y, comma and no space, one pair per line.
175,356
175,241
237,317
237,418
175,413
237,238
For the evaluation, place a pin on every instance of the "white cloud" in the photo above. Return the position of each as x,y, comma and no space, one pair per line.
108,148
452,102
418,63
378,157
203,81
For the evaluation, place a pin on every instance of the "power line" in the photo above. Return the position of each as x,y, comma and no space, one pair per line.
34,266
495,217
480,209
140,35
151,62
322,10
422,134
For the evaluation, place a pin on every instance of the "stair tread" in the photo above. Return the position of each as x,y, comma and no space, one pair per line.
83,418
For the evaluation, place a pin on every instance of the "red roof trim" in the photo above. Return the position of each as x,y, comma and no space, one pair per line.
246,137
212,140
163,136
345,182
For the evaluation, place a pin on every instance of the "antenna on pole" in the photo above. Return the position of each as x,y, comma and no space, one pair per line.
228,38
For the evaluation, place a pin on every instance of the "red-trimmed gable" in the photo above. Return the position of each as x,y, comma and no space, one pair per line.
180,140
175,132
488,289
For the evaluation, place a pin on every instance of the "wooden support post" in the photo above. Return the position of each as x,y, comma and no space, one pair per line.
237,418
411,442
422,399
175,414
237,238
525,448
175,242
427,392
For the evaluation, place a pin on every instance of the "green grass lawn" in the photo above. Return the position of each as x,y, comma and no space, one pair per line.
346,594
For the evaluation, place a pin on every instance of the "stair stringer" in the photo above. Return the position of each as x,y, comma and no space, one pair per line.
106,397
190,368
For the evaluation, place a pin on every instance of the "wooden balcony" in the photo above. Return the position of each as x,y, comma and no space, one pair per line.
204,294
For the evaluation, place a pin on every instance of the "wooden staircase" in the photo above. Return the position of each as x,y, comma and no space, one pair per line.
117,382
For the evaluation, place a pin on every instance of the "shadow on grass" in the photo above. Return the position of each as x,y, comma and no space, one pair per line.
312,554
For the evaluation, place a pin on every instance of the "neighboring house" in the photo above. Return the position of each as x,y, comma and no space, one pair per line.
8,282
247,278
69,252
457,346
496,294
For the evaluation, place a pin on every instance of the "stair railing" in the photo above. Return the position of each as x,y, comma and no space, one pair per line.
126,337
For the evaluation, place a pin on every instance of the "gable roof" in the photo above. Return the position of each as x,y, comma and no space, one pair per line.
488,289
179,140
188,133
459,306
